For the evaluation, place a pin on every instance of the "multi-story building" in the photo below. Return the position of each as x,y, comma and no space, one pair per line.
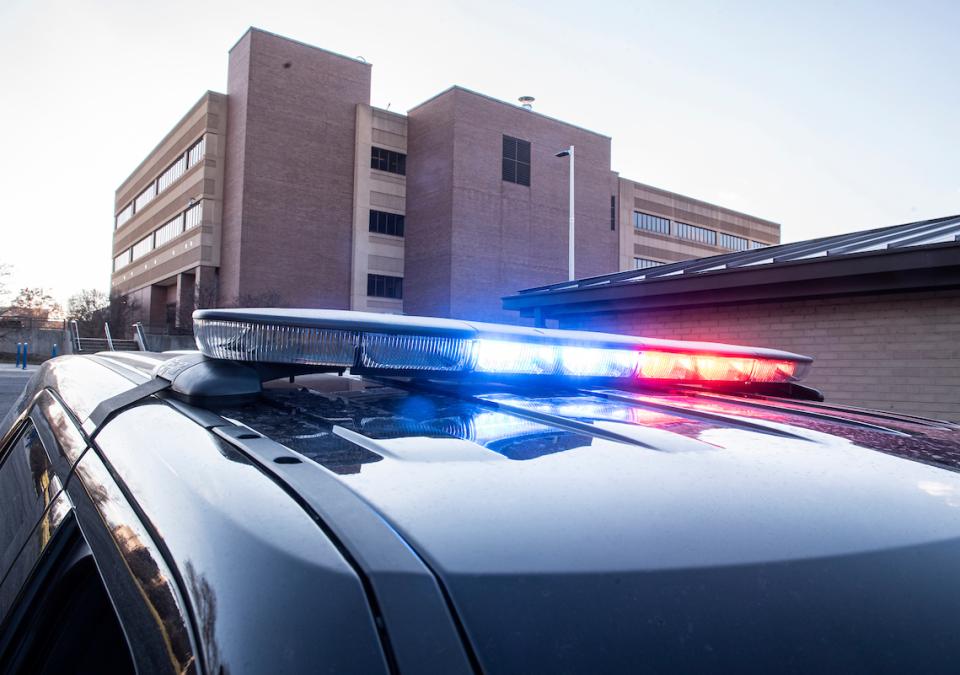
167,232
292,190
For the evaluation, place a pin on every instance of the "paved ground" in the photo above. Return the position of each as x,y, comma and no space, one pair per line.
12,382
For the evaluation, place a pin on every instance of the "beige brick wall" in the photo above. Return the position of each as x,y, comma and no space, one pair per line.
894,352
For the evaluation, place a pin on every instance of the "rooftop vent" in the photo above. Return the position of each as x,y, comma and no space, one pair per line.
526,102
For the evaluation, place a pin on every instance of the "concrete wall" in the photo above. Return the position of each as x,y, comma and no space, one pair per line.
40,341
893,352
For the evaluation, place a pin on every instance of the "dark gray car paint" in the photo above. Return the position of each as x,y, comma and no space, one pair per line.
780,540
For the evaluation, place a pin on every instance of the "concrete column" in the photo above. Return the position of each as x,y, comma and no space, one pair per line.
186,285
205,282
361,207
157,308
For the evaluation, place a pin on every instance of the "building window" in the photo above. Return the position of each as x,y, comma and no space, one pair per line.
645,221
197,151
142,247
168,232
388,160
121,260
145,197
516,160
124,215
697,233
383,286
733,243
193,216
645,263
758,244
613,212
168,177
382,222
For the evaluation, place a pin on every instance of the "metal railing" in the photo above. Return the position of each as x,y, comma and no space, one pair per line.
108,343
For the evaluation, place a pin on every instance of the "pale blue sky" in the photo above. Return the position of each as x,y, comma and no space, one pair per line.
824,116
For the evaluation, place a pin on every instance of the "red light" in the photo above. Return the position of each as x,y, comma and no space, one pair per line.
666,366
774,371
713,368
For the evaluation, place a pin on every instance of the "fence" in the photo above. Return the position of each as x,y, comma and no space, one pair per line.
26,323
49,338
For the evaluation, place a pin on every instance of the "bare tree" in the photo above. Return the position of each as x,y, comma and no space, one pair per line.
5,270
264,299
35,303
90,308
123,311
205,296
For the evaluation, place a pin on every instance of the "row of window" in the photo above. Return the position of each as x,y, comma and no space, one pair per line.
383,286
169,176
651,223
645,263
733,242
704,235
382,222
388,160
145,197
164,234
697,233
125,215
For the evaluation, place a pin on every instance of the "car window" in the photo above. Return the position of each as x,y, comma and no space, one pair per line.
27,486
68,623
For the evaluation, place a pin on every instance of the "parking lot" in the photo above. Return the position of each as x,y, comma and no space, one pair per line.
12,382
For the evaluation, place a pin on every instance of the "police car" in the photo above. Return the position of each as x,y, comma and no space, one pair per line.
324,491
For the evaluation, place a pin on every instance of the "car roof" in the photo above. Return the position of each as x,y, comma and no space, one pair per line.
512,495
392,440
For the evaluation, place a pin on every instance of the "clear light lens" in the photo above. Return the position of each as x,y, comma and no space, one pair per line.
595,362
263,343
522,358
420,345
416,352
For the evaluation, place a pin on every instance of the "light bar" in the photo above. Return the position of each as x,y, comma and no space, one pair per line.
423,347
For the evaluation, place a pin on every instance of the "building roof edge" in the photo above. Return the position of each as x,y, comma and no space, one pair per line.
701,202
206,95
254,29
457,87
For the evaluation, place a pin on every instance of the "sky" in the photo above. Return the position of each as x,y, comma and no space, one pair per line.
826,117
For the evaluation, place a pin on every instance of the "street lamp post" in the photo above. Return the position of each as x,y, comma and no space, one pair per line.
569,153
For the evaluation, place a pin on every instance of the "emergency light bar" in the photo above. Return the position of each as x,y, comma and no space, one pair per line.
368,343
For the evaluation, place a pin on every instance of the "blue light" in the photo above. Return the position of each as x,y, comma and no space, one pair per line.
504,356
531,358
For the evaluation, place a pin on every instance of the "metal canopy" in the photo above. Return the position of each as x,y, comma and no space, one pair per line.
875,252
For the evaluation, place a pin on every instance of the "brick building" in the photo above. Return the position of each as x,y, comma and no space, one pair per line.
878,310
292,190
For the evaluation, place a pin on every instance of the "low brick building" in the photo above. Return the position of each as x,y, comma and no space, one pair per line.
878,310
